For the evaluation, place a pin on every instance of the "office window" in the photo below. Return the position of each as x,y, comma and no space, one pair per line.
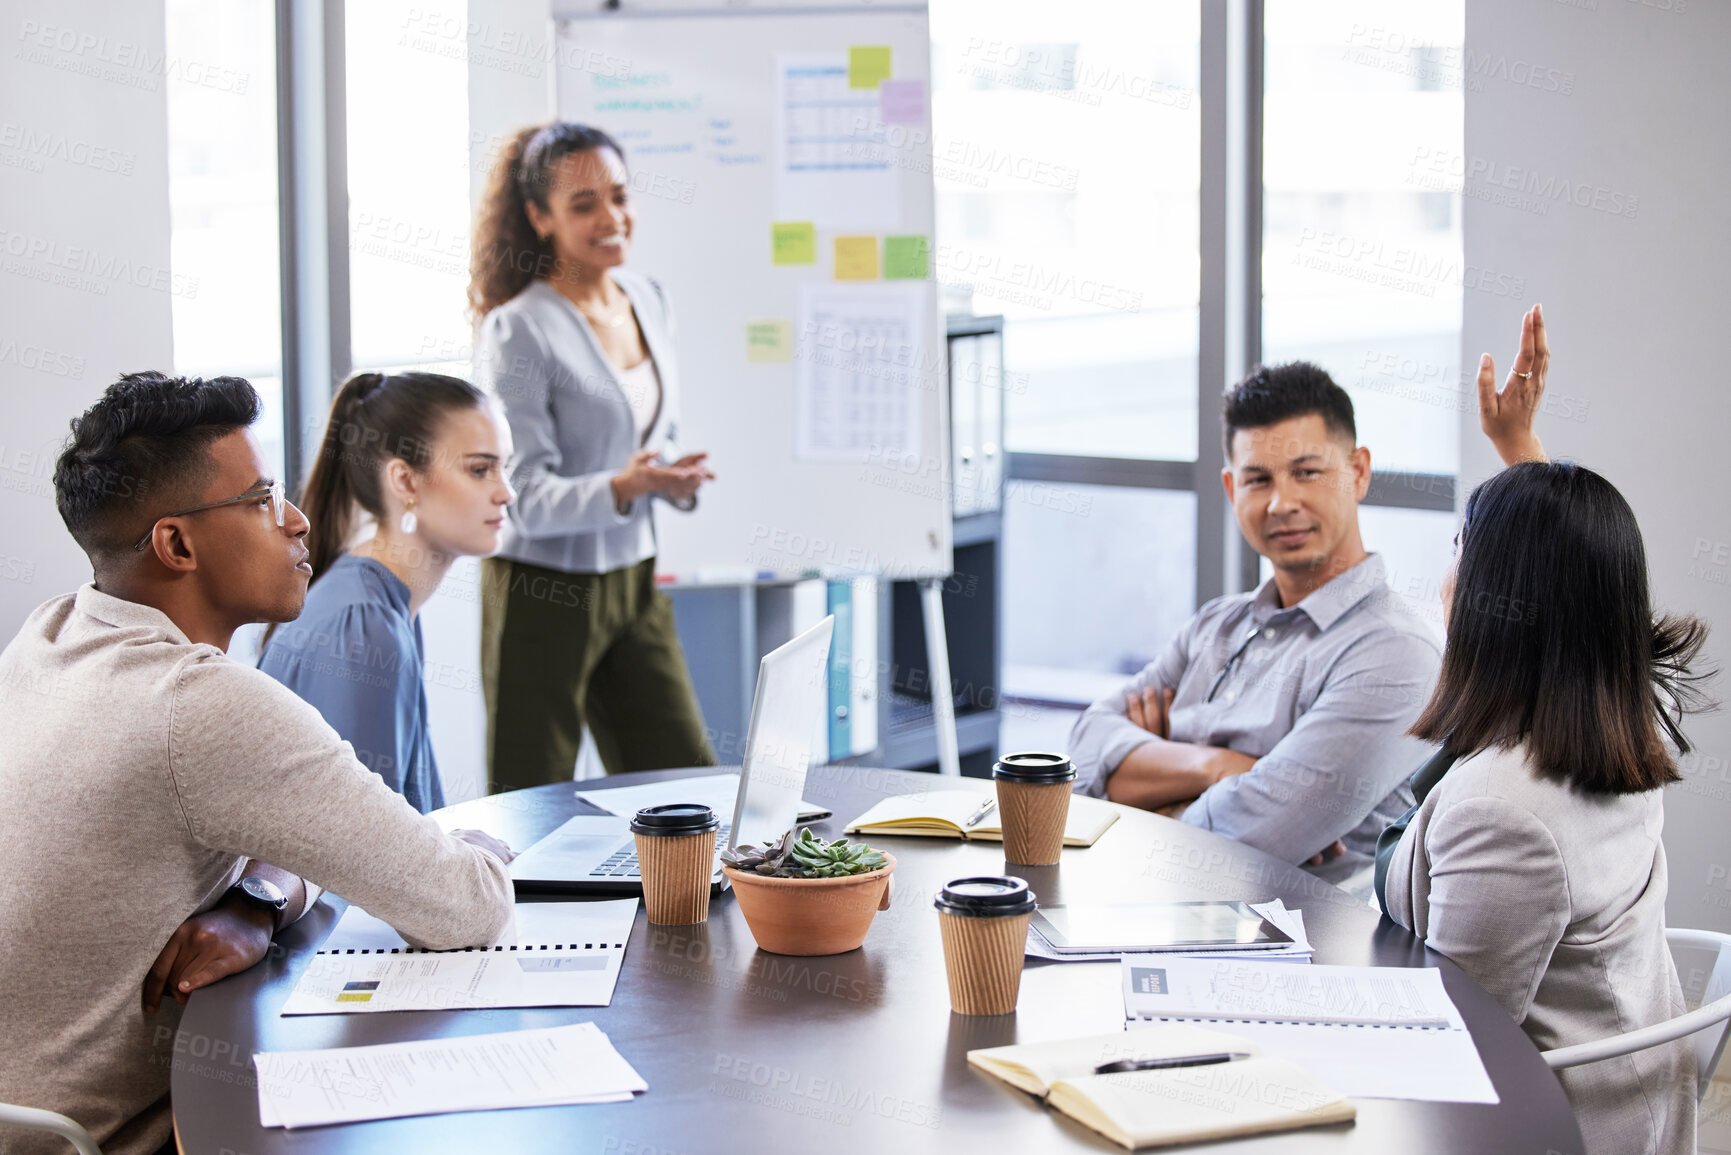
408,162
222,189
1363,267
1417,546
1066,162
1097,580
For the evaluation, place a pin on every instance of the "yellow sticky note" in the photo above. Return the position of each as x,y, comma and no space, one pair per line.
856,258
868,65
769,342
793,243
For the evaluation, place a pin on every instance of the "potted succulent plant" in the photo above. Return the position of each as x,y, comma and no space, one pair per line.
803,896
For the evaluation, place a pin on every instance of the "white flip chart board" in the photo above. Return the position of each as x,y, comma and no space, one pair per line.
782,192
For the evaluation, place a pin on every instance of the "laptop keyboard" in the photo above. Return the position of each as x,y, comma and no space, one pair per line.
623,863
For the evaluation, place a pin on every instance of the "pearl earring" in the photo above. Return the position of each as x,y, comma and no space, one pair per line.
409,520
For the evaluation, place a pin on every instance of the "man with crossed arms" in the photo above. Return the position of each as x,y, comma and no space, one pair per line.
1278,718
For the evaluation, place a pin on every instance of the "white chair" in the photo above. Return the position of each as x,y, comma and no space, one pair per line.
39,1120
1714,1011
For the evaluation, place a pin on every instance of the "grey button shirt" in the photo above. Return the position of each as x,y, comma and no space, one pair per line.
1321,697
573,426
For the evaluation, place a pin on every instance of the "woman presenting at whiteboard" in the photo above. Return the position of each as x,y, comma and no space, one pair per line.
579,352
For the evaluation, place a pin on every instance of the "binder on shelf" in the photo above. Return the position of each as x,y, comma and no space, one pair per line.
853,672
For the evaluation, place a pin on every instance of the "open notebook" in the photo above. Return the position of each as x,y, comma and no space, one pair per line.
1156,1108
945,814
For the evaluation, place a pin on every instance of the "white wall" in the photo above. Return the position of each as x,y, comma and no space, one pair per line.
84,277
1626,101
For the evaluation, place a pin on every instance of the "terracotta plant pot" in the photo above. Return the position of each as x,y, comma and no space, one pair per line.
811,916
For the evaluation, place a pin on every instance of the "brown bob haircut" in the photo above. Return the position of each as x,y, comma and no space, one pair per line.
1552,643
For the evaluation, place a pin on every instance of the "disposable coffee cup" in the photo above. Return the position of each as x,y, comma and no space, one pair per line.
676,855
984,923
1033,804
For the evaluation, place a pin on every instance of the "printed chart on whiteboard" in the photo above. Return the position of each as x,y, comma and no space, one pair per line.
832,165
858,395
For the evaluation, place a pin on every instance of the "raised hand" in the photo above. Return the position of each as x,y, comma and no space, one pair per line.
1507,417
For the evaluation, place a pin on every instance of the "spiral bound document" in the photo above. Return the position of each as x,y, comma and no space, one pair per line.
1369,1032
558,954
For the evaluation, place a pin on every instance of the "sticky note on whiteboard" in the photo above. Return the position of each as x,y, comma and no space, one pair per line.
856,258
868,65
906,258
793,243
769,342
902,101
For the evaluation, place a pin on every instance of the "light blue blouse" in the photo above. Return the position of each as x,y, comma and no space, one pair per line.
355,654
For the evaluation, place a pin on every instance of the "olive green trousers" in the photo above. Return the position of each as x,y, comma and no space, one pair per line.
561,650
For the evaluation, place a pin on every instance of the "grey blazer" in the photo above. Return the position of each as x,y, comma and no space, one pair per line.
572,426
1554,900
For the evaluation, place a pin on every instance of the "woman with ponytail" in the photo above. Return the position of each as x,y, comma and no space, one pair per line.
423,456
580,353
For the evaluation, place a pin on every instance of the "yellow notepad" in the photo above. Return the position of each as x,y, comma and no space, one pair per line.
945,813
1175,1105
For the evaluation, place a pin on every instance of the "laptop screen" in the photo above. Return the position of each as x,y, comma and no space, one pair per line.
791,703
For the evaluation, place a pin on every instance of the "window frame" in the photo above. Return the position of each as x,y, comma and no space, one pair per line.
317,352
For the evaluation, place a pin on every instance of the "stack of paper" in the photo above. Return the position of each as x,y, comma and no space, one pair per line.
1290,921
558,954
1369,1032
550,1067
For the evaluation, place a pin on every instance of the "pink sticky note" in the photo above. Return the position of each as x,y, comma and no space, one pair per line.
903,101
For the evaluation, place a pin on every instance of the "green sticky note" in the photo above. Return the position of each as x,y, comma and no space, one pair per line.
793,243
868,65
906,258
769,342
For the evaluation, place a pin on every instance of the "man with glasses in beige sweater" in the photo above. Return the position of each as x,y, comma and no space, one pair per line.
168,810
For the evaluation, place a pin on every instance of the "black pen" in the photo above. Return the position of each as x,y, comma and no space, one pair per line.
1123,1065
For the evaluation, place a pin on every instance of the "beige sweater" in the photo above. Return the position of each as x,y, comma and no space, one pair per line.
137,772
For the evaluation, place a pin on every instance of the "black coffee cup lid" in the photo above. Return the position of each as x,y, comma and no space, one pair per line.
674,818
992,896
1034,768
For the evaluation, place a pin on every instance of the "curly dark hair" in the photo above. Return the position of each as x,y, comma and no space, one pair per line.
144,446
1270,394
505,255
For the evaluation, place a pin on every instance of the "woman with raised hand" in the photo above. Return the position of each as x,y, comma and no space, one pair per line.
423,455
1533,859
580,353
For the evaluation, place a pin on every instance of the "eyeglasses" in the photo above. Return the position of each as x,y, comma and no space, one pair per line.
278,501
1232,661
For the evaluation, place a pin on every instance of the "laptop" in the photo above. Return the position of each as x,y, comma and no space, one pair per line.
596,853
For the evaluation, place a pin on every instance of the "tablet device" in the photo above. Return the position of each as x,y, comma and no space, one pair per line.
1157,926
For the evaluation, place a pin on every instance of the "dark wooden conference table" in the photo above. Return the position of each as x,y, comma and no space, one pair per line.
746,1051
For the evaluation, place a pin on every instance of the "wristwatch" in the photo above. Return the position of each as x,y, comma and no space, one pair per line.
262,893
